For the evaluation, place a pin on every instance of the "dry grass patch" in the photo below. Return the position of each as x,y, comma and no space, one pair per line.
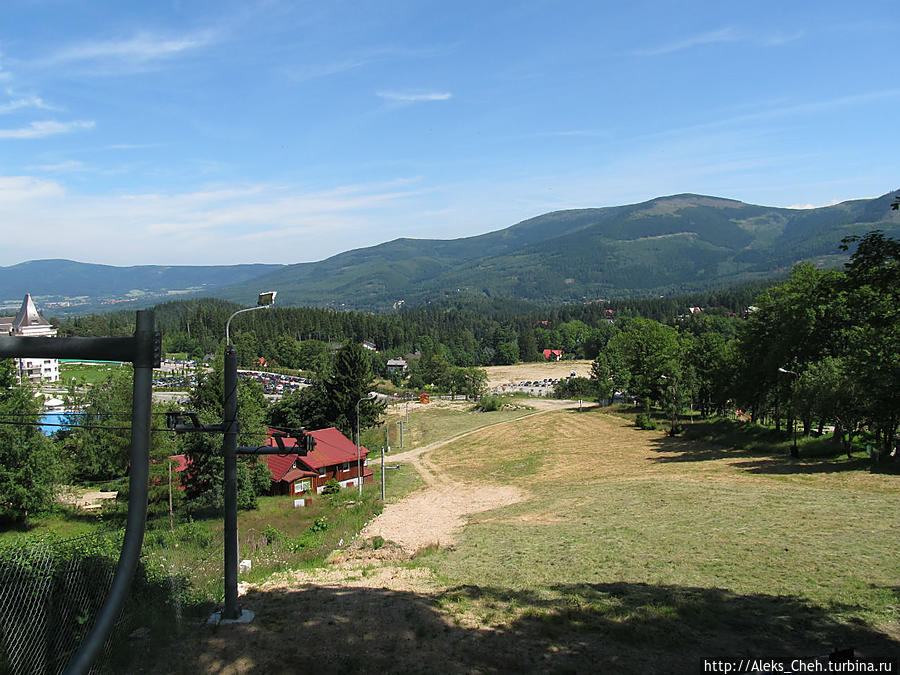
522,372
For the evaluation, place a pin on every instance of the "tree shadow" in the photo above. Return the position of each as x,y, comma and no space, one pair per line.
674,449
614,627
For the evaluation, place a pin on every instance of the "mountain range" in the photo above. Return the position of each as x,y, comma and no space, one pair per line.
667,245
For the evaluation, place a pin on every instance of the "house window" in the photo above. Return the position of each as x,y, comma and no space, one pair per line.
346,466
302,485
322,472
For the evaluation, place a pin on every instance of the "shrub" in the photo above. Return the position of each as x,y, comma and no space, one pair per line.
273,534
331,487
644,421
377,542
490,403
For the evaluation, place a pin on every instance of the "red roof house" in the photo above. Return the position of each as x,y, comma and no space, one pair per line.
555,354
330,454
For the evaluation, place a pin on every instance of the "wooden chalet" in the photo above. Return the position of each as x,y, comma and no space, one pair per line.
313,460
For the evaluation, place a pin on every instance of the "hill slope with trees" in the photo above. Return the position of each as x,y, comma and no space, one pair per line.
677,244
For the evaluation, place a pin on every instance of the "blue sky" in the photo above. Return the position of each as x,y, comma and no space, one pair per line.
191,132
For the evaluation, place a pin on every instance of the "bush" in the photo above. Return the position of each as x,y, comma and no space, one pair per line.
490,403
377,542
272,534
645,421
331,487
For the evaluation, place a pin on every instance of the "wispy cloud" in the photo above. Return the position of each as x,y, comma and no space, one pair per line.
313,71
414,96
23,102
68,165
285,222
775,38
726,34
141,48
131,146
779,38
303,72
48,128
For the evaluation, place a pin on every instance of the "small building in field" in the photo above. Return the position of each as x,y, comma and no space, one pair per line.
553,354
368,344
312,461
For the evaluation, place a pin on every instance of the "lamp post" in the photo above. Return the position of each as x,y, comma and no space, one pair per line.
232,610
795,452
359,478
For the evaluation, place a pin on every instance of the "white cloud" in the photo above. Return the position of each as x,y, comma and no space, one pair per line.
815,206
779,38
42,129
313,71
139,49
19,103
233,223
68,165
728,34
721,35
27,188
414,97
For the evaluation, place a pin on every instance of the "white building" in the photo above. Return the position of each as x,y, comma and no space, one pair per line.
28,323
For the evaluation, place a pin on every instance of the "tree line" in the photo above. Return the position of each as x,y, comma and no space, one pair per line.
821,348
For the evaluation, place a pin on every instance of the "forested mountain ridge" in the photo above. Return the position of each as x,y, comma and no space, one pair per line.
676,244
666,246
59,280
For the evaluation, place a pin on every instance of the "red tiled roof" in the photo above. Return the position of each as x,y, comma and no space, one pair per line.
294,474
280,465
332,447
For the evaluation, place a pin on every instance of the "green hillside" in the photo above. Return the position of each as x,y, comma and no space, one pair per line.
680,243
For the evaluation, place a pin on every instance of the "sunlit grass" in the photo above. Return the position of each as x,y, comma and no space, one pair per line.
611,504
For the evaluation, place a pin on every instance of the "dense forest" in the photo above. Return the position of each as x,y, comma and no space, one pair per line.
466,331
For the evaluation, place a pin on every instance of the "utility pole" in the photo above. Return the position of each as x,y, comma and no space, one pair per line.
232,609
171,516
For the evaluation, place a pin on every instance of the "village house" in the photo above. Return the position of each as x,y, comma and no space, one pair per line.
28,323
397,364
313,460
553,354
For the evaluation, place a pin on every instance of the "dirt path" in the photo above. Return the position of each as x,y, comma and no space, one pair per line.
435,514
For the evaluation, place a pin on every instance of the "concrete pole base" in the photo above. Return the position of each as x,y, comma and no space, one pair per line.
216,618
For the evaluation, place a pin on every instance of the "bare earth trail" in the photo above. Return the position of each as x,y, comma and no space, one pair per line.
436,513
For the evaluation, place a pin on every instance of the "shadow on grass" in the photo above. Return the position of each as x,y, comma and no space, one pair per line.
614,627
815,458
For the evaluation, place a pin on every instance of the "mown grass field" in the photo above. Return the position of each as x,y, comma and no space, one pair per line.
633,538
88,373
441,420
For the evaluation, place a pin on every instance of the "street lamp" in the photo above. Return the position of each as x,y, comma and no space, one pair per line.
232,610
359,479
795,452
264,301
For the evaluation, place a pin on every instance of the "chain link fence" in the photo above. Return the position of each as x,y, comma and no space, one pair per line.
52,589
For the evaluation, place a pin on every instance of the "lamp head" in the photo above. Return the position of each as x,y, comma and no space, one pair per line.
267,298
